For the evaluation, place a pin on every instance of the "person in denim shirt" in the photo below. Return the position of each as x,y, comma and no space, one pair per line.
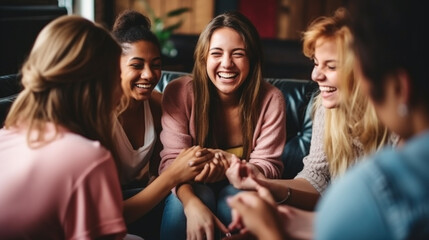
388,196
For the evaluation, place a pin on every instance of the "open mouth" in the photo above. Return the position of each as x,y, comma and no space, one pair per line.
144,85
327,89
227,75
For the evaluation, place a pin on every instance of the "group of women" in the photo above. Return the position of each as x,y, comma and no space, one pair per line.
202,159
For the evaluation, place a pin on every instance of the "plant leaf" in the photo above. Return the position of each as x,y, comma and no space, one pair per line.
178,11
173,27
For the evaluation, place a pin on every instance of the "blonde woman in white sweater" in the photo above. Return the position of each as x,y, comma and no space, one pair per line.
345,126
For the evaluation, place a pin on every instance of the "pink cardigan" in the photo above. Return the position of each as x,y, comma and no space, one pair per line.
178,129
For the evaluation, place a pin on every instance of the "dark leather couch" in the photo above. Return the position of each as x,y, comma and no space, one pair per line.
298,96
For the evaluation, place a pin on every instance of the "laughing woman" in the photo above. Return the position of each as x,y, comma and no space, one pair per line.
225,106
138,128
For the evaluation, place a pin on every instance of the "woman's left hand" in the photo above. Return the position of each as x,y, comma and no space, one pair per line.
201,222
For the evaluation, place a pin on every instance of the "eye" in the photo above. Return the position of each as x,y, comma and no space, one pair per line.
136,66
216,53
239,54
156,65
332,67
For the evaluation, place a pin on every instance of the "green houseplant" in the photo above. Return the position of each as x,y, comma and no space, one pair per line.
164,32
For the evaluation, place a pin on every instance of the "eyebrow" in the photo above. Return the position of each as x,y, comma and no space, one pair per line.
234,49
142,59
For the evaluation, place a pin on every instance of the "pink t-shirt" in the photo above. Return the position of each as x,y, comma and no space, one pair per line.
67,189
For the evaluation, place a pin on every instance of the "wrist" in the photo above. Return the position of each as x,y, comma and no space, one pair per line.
286,198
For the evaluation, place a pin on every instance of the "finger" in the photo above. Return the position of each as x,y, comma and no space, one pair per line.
209,232
237,204
203,158
212,173
203,174
220,225
265,194
236,220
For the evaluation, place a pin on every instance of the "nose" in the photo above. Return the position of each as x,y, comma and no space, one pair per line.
227,61
146,73
317,75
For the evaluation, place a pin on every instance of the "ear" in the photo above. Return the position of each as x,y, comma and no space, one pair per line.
403,86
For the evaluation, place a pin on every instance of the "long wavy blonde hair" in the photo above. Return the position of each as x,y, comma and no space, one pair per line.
70,79
355,117
204,90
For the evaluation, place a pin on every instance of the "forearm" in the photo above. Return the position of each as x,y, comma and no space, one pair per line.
141,203
302,194
185,193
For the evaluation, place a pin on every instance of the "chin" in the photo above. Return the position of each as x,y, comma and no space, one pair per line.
329,105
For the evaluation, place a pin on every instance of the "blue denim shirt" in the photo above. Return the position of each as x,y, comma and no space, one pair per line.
385,197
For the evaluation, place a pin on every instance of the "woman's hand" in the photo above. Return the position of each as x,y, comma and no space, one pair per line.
243,175
256,212
189,163
215,169
201,222
297,223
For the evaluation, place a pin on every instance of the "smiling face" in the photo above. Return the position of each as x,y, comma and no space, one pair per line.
325,71
140,69
227,61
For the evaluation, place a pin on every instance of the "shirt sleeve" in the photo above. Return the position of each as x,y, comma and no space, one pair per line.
95,206
270,134
316,167
177,120
349,211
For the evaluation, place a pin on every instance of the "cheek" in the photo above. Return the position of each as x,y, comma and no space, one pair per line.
211,68
333,79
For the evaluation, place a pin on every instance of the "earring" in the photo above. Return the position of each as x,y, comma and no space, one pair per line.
402,110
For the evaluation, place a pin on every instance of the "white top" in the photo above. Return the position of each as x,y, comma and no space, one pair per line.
133,161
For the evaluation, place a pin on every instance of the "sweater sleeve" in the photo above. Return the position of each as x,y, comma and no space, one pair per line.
316,167
270,133
177,119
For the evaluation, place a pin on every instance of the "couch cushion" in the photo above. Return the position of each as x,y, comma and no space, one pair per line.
9,89
299,95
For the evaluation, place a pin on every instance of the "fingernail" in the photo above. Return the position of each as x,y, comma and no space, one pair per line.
190,164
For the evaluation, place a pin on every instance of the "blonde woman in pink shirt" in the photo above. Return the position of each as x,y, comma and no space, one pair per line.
58,178
225,105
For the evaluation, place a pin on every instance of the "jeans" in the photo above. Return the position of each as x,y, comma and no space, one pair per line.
173,224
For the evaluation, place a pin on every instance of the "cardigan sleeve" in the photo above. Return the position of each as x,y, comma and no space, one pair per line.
177,119
270,133
316,167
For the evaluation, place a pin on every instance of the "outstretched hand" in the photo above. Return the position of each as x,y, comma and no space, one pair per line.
243,175
256,212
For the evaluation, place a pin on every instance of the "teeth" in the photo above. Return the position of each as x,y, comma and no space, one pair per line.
227,75
141,85
327,89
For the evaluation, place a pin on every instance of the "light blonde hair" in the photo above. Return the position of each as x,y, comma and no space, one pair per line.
355,117
70,79
205,93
